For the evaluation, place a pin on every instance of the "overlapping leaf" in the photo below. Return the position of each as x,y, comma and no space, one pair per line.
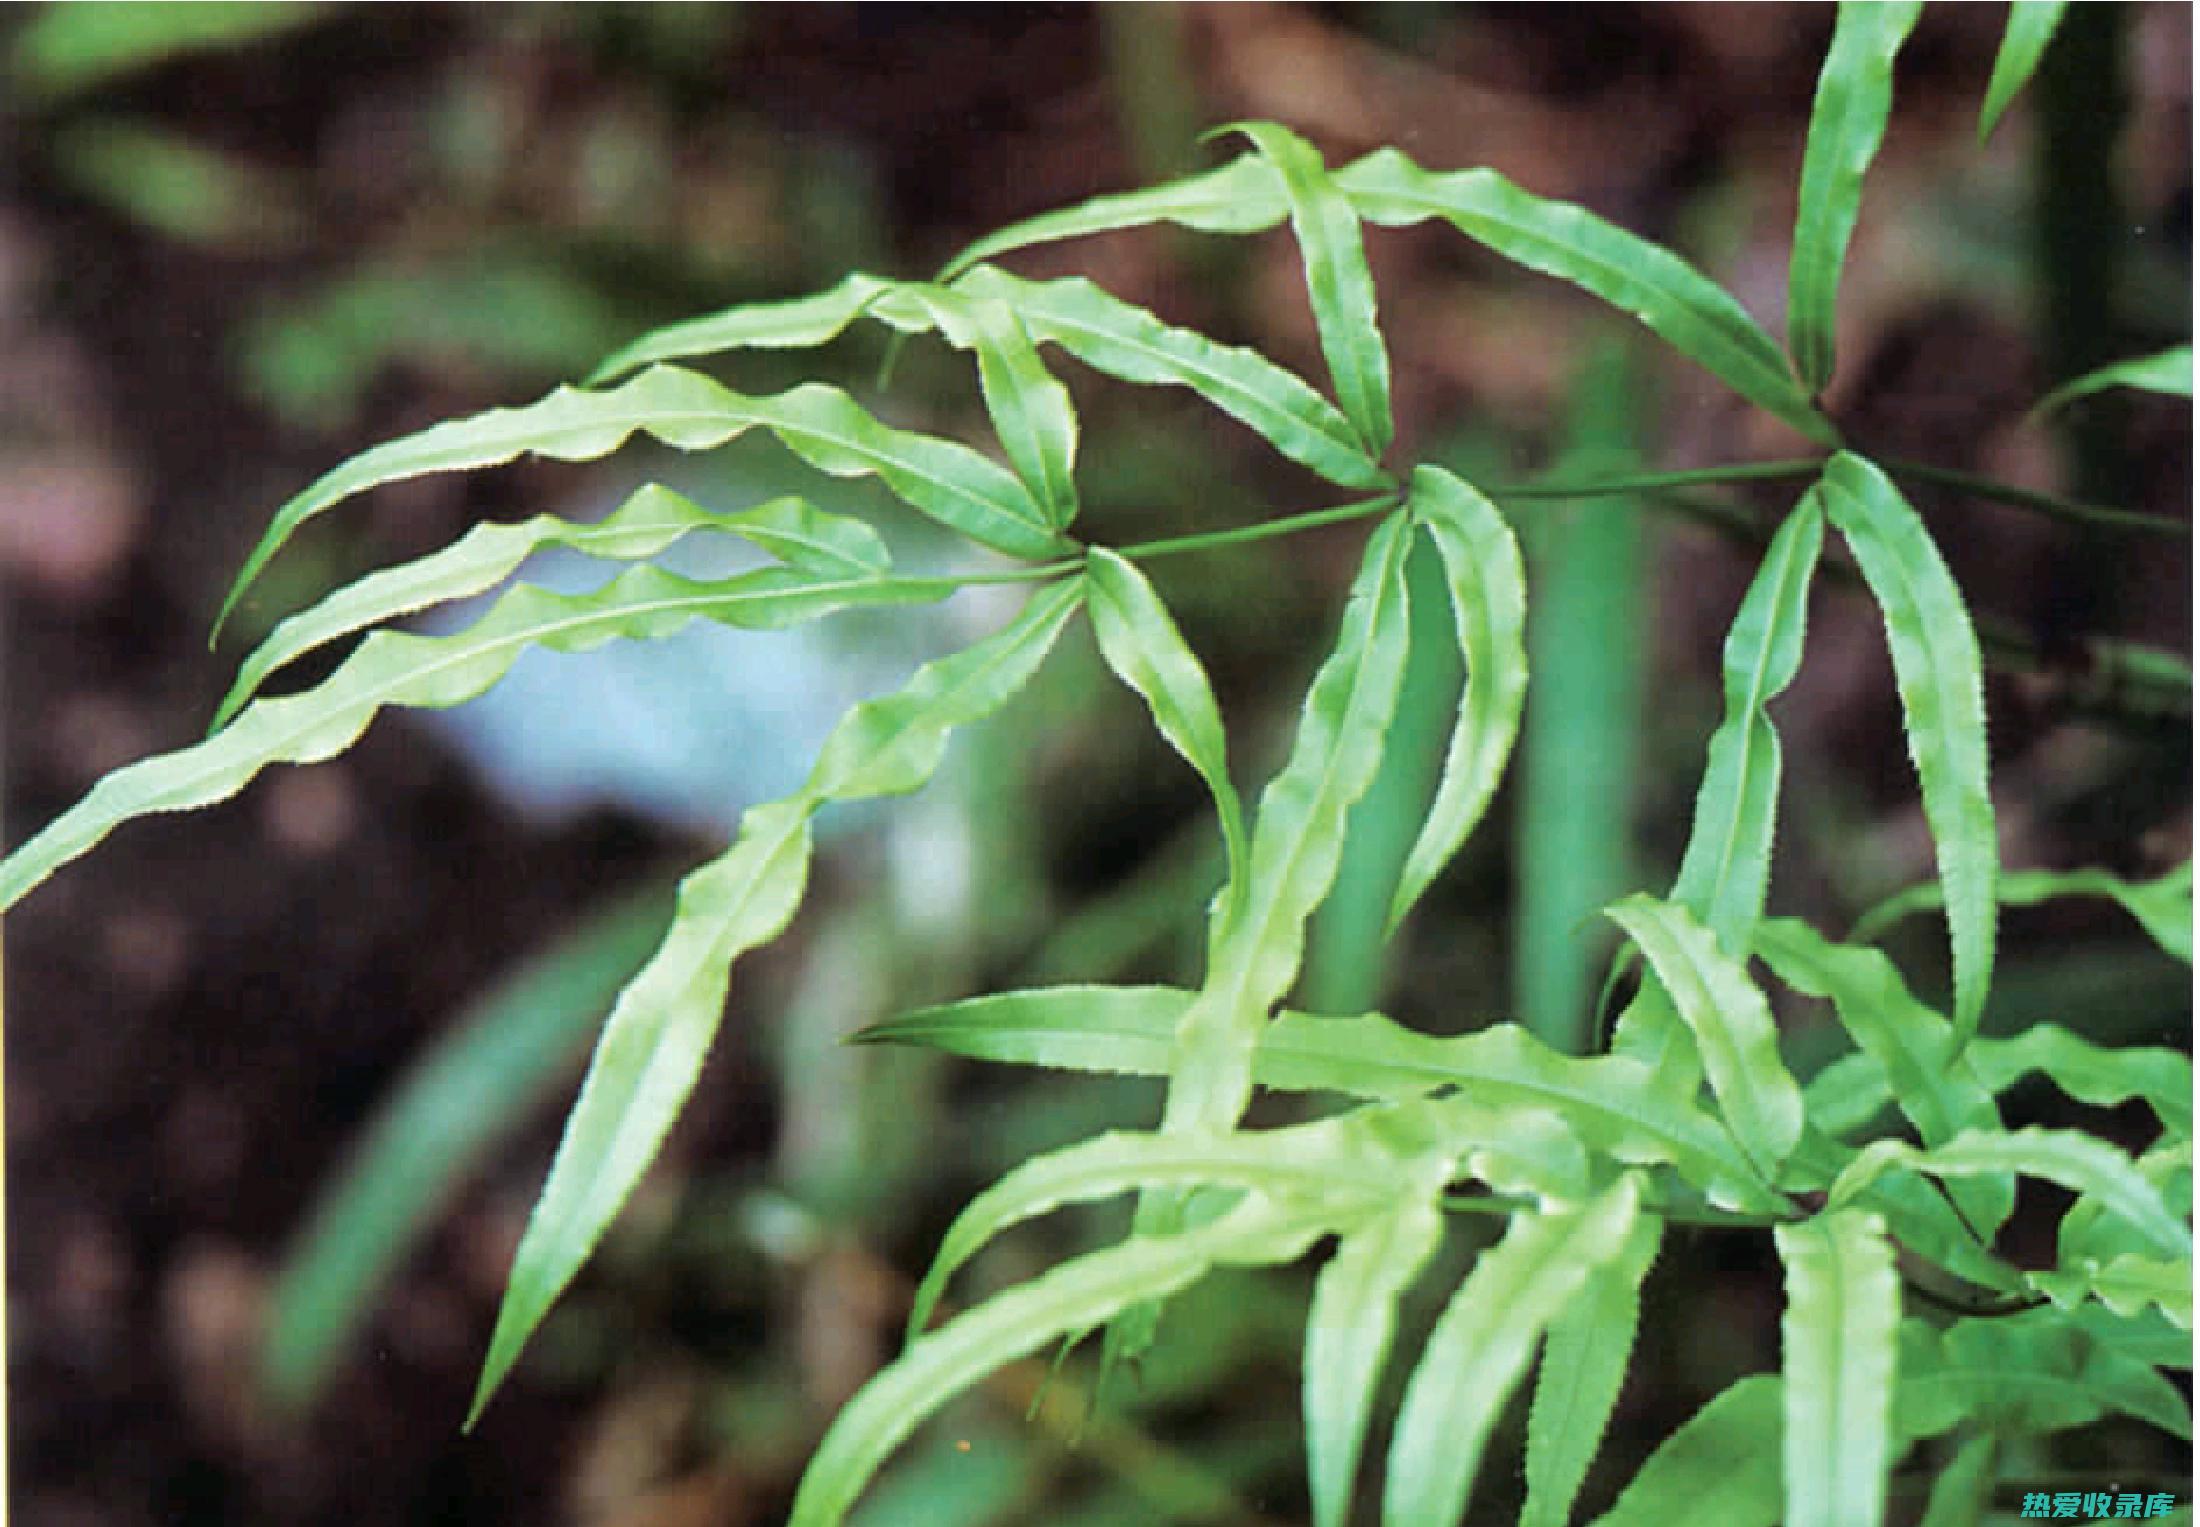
2126,1283
399,668
827,546
1030,410
823,425
1481,1346
2077,1161
1908,1041
1489,610
1847,120
1337,280
1649,283
1731,1023
653,1045
1724,871
1609,1101
1722,1466
2162,906
2031,28
1837,1368
1349,1326
1578,1382
1937,672
2037,1372
1965,1487
1298,836
1130,344
1142,645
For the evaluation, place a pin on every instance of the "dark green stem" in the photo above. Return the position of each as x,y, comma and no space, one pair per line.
2074,510
1265,530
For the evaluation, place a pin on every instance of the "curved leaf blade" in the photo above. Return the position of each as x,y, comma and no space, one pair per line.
1349,1327
798,323
1937,672
1837,1368
2162,906
1243,196
1731,1024
1066,1300
645,1065
1722,1466
689,412
1847,120
1338,281
1481,1346
2090,1073
1649,283
1728,862
1577,1385
1489,597
892,745
2168,373
1130,344
2031,28
399,668
1142,644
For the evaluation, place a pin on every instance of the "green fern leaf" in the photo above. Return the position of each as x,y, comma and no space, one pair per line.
1489,609
2031,28
2168,373
1722,1466
1649,283
1129,343
1578,1382
1906,1040
2163,906
2030,1373
1966,1487
2077,1161
1337,280
1243,196
1731,1024
1847,120
1724,872
797,324
2126,1284
1142,645
399,668
1064,1301
1349,1327
824,545
1936,665
652,1046
1482,1344
823,425
1837,1368
2090,1074
1610,1102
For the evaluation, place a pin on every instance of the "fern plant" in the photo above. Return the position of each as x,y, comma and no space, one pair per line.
1692,1115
